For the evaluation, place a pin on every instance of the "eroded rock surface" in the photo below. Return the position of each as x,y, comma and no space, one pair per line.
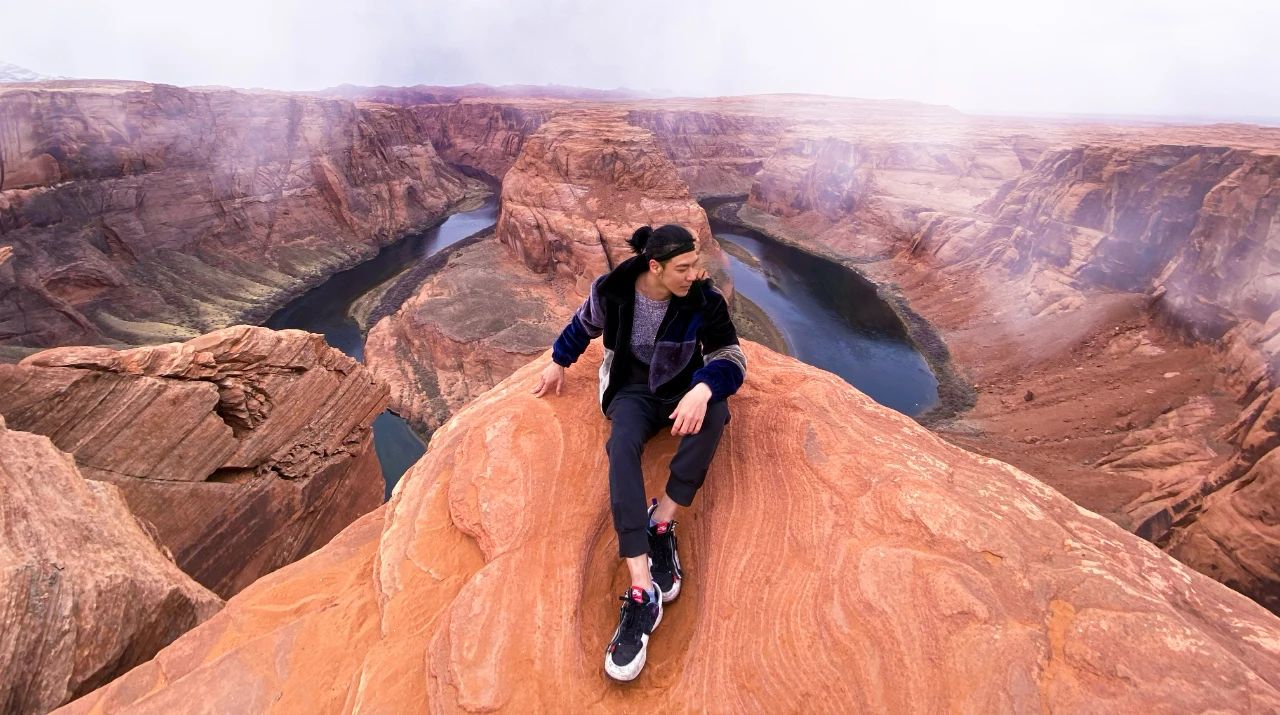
85,592
481,316
138,213
909,575
582,185
247,448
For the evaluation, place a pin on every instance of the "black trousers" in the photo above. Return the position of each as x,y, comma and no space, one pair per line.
638,415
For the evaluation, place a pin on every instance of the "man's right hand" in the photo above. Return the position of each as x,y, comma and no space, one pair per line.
552,376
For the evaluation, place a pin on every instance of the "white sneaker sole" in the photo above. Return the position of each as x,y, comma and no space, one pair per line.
629,672
669,596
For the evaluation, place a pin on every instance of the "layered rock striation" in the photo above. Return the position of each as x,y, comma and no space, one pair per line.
136,213
716,153
482,135
246,448
912,576
85,592
581,187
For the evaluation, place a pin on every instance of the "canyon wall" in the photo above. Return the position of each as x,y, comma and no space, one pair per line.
483,135
1114,251
919,577
134,213
85,591
716,153
245,448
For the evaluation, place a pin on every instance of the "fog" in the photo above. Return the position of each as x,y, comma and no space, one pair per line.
1129,57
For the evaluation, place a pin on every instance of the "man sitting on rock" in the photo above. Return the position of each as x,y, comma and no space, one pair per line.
671,358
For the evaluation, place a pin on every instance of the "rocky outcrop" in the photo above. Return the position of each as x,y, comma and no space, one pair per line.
487,136
1226,526
140,213
581,186
85,593
246,448
916,577
472,323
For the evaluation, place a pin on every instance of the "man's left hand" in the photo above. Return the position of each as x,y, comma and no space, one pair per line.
691,410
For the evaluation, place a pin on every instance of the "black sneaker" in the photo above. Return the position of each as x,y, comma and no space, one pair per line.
640,615
664,562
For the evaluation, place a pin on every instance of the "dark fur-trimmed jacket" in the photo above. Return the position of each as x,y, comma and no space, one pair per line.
696,341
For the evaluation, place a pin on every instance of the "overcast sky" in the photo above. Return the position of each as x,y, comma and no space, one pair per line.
1144,57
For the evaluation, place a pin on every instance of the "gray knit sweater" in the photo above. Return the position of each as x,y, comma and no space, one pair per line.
644,325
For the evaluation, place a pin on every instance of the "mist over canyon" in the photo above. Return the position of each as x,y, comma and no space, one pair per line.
1080,516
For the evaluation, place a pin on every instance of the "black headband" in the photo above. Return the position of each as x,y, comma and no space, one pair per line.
673,251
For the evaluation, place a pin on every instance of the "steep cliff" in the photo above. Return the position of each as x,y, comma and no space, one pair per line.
888,570
580,188
717,153
246,448
85,593
1185,235
483,135
137,213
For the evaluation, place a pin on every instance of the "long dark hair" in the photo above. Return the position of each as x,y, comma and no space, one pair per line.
662,243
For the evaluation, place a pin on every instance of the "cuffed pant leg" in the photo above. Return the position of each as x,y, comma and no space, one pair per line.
693,456
635,419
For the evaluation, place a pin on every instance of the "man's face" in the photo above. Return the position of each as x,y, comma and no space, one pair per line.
679,272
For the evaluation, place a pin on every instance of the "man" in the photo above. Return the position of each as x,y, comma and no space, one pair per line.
671,358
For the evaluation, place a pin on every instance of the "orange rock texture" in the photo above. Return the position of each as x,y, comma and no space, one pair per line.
139,213
85,593
246,448
869,566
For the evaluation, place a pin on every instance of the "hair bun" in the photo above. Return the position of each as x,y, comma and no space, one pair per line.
640,239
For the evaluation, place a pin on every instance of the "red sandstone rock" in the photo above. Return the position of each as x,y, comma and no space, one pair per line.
908,575
144,213
580,188
468,326
85,593
247,448
482,135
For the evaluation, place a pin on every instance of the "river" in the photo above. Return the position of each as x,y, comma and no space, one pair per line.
326,309
829,317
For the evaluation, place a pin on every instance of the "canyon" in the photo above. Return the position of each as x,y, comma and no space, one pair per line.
570,200
134,213
1102,304
1106,293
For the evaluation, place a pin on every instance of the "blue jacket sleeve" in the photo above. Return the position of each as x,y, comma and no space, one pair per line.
725,365
587,323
